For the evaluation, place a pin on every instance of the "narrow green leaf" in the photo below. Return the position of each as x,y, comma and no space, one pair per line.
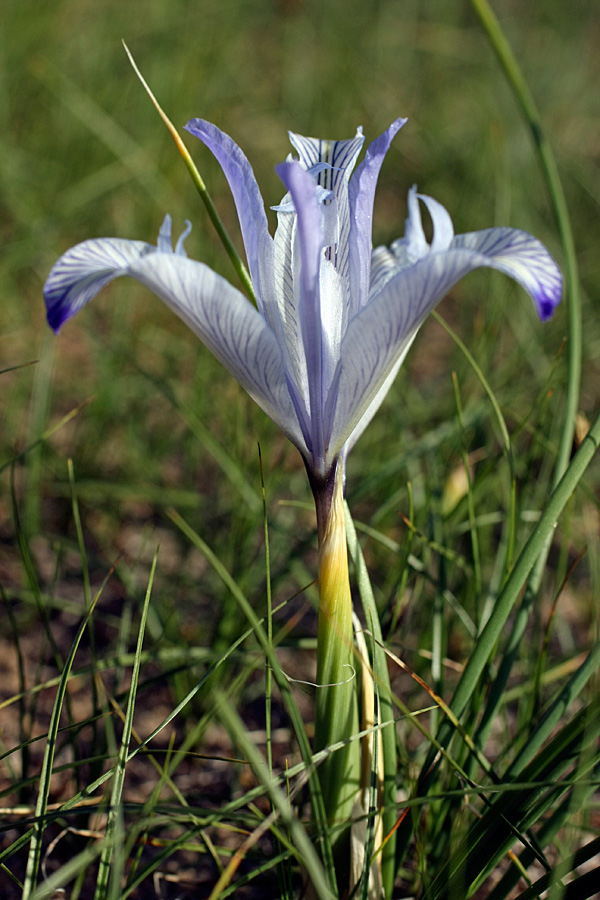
302,844
110,836
35,848
386,706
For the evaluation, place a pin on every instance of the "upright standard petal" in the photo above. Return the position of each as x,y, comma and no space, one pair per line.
361,200
331,161
249,204
303,191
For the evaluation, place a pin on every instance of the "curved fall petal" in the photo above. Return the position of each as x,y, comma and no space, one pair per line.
381,334
221,316
523,257
231,328
378,399
83,271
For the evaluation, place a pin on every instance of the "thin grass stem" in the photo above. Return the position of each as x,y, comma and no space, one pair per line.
110,842
211,209
549,170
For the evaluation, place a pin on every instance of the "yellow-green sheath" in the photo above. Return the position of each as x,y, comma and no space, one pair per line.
336,713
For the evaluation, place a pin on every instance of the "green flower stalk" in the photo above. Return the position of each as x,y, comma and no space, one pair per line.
336,712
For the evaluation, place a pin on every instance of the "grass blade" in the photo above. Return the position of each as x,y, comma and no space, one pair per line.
303,846
35,848
282,683
119,772
550,173
386,707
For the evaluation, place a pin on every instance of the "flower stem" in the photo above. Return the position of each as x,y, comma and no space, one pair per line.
336,713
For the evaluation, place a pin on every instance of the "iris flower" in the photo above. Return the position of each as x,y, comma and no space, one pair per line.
332,324
334,318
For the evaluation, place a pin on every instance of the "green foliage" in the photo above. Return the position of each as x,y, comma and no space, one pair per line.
160,766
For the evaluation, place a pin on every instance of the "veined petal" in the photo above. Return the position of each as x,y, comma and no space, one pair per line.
378,398
381,334
249,204
229,326
523,257
339,157
218,313
361,199
385,263
287,291
308,260
84,270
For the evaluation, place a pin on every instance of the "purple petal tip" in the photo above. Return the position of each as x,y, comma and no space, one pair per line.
547,301
57,312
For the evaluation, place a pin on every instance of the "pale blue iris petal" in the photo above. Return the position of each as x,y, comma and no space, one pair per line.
219,314
333,321
306,289
387,262
164,243
443,231
287,287
330,227
523,257
414,236
340,250
249,204
85,269
229,326
381,334
378,398
361,196
179,248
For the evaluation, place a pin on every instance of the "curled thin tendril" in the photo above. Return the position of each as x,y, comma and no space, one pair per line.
334,684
